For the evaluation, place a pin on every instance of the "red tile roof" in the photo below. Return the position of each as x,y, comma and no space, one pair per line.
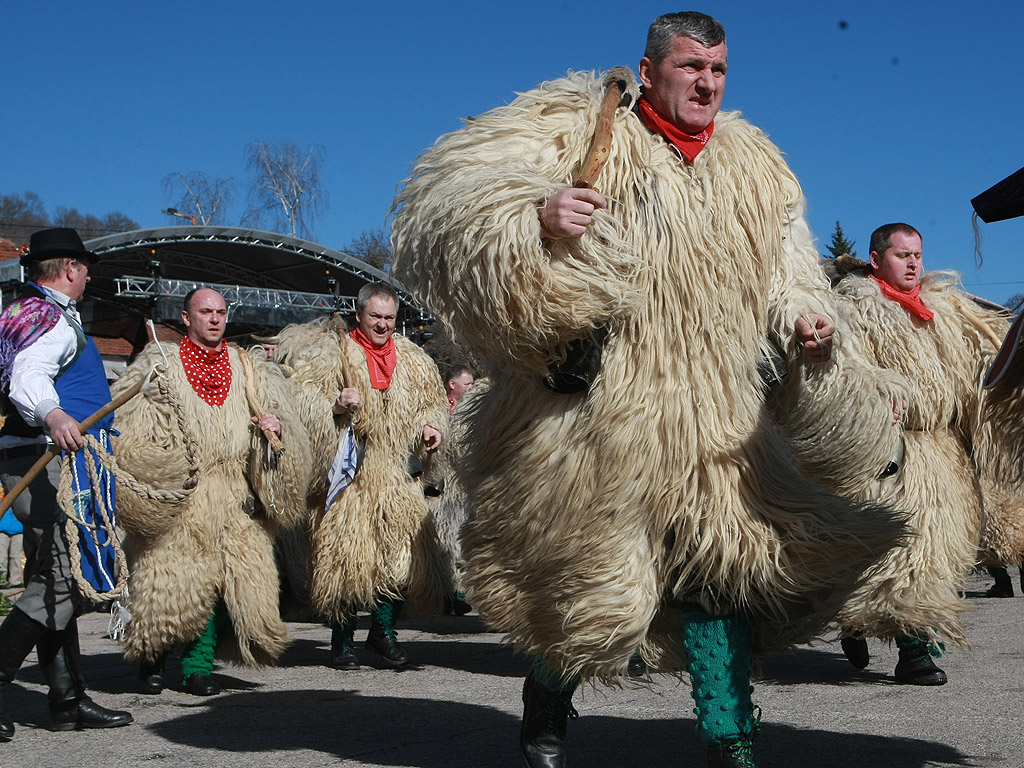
9,249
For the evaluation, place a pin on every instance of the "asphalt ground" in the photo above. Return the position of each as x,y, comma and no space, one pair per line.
458,705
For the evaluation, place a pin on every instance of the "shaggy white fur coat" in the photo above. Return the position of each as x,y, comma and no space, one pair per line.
598,516
376,538
451,509
959,454
218,542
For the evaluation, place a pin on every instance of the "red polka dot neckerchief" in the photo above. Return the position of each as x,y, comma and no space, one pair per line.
207,370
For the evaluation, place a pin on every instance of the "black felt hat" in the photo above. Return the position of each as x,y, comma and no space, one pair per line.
1004,200
56,243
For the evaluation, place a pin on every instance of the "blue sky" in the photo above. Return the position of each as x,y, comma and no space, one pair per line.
886,111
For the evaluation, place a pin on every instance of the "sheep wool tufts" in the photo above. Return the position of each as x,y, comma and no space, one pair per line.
956,459
218,542
377,538
599,518
450,509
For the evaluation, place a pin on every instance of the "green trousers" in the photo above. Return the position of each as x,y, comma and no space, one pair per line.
197,658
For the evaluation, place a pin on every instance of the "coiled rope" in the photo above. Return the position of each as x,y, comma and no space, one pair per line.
75,523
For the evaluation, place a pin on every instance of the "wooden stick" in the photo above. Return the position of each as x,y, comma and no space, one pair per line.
254,401
54,451
600,148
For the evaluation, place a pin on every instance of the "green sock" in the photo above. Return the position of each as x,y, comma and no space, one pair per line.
552,680
385,614
198,656
345,629
720,657
917,640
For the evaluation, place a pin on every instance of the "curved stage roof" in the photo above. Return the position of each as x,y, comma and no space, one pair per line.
269,279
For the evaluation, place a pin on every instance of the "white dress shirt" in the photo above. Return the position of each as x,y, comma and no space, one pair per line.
35,368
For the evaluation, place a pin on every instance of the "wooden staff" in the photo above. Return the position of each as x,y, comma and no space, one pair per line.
83,427
600,148
254,401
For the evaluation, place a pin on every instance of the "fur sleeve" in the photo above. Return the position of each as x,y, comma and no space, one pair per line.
838,422
801,286
467,239
995,424
280,484
431,405
313,353
837,417
150,446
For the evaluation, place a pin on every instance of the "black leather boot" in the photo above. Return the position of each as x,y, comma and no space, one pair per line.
1003,586
385,644
546,714
199,684
343,655
455,605
856,651
736,753
382,638
70,708
18,636
151,676
917,668
637,667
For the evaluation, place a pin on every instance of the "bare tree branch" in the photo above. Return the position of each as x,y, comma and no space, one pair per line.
285,193
197,194
373,247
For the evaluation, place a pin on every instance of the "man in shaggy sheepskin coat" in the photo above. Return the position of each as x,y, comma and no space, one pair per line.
373,543
943,450
658,510
448,508
203,573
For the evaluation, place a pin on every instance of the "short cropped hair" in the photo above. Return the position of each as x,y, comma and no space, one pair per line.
457,370
49,269
881,238
371,290
692,24
187,301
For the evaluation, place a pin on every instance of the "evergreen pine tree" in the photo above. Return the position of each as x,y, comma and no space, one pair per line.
840,245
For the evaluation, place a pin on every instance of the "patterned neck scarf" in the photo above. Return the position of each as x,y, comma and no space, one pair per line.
22,323
690,144
381,361
912,301
208,370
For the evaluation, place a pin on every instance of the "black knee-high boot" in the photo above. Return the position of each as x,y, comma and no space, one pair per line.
18,636
547,707
70,709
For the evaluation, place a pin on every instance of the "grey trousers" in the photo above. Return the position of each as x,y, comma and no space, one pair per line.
50,595
11,548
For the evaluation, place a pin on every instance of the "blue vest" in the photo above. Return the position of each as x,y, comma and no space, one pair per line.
83,390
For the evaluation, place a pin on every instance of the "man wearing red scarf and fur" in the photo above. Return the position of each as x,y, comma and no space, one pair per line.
373,543
658,509
203,573
945,454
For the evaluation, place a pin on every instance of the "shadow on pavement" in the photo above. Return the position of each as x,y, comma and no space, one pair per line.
442,734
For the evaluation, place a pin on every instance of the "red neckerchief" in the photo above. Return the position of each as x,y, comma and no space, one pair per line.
207,370
690,144
451,406
912,301
380,361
